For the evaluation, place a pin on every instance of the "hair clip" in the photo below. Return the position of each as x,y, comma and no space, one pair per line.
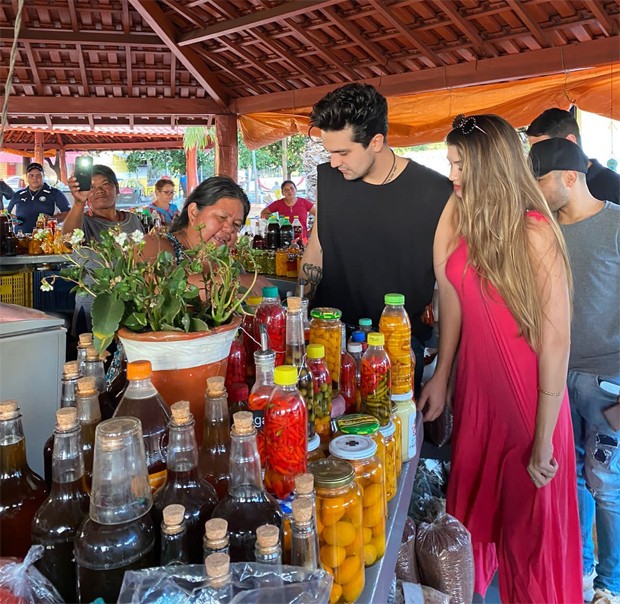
465,124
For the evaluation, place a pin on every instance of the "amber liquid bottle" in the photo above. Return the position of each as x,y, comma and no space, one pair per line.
184,485
142,400
57,521
214,451
93,366
247,505
21,490
70,377
89,416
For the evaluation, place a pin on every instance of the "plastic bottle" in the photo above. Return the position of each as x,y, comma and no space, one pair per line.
286,233
365,326
258,241
297,229
260,394
406,411
322,385
271,314
348,379
174,548
376,380
395,325
273,233
355,350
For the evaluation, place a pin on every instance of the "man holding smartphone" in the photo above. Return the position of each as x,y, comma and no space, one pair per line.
37,198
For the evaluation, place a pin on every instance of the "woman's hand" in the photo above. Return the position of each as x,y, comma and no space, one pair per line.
433,398
542,466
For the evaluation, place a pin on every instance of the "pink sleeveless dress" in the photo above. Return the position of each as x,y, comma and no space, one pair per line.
532,533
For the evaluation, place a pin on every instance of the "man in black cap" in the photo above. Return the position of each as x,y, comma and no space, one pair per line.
37,198
591,229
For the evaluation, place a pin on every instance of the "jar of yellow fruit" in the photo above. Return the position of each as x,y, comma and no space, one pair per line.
389,436
398,431
339,526
361,453
326,329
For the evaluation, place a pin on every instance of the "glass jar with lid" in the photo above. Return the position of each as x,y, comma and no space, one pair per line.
314,449
326,329
361,453
390,459
339,520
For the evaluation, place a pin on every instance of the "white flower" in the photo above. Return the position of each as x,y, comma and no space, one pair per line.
115,281
76,237
137,236
121,238
46,286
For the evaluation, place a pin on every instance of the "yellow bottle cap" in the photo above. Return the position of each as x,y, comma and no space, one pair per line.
285,375
376,339
315,351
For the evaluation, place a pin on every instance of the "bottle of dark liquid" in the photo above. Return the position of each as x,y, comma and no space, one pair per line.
286,233
85,340
237,398
57,521
94,366
247,505
273,233
214,452
184,485
215,540
142,400
118,535
10,244
258,241
89,416
174,549
70,377
21,491
297,230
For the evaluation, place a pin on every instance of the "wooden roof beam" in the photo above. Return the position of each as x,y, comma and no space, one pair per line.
32,66
466,27
292,8
541,37
160,24
610,27
59,36
99,146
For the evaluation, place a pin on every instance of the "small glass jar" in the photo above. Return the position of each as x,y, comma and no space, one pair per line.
398,430
361,453
339,519
314,449
326,329
390,459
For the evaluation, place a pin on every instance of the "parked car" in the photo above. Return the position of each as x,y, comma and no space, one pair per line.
131,194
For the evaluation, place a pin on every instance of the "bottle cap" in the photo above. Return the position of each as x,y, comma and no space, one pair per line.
356,423
87,385
243,422
331,473
293,303
352,447
304,483
365,322
271,292
253,300
217,565
354,347
238,392
174,514
264,357
216,528
92,354
399,398
394,299
376,339
315,351
139,370
358,336
326,313
285,375
8,410
215,386
314,442
70,369
302,510
180,413
388,430
66,419
85,339
267,535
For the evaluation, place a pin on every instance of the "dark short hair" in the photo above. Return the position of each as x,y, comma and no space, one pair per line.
162,182
107,173
207,193
288,182
556,123
359,106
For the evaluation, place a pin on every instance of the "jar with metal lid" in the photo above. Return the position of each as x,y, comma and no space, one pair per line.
314,449
398,428
390,459
326,329
339,519
361,453
406,411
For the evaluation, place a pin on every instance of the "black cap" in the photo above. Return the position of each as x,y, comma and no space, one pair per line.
34,166
557,154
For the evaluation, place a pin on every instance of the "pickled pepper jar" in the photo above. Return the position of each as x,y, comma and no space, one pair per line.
360,452
286,434
395,325
390,459
264,361
270,313
322,386
326,329
339,519
376,380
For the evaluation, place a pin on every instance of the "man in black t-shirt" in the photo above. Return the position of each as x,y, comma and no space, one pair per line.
376,216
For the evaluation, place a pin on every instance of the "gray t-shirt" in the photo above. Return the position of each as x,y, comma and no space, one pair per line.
594,251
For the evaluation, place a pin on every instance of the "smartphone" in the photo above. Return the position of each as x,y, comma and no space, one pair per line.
84,171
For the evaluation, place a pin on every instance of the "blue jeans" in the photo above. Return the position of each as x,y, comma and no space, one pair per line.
598,476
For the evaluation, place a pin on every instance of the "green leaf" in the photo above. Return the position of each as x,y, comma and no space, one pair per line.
106,314
198,325
135,321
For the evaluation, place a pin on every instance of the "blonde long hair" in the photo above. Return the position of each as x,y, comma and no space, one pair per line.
498,188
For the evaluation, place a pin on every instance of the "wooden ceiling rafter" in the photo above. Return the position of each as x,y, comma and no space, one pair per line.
521,11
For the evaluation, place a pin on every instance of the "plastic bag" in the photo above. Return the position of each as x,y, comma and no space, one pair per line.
406,563
445,558
429,491
21,582
422,594
252,583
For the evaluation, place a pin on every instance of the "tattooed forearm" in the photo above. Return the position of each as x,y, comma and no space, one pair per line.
313,274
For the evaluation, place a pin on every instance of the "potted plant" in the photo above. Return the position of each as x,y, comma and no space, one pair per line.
181,315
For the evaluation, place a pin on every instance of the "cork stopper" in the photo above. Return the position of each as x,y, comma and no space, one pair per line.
86,386
180,413
91,353
293,303
216,529
215,386
267,535
217,565
66,419
243,422
304,484
71,369
85,339
302,510
8,410
173,514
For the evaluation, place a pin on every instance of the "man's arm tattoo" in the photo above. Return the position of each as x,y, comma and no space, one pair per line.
314,275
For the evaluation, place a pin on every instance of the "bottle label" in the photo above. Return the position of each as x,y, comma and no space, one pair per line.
258,417
157,479
412,436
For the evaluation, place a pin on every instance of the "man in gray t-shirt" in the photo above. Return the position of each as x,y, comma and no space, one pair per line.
591,229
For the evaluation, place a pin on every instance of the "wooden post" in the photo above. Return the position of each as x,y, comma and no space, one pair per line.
38,147
191,168
61,161
226,149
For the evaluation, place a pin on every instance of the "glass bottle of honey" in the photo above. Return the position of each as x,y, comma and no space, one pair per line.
89,416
